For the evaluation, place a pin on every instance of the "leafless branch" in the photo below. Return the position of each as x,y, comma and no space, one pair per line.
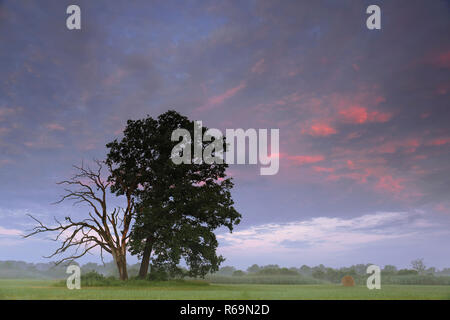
107,230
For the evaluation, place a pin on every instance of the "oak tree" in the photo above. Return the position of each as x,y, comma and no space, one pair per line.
178,206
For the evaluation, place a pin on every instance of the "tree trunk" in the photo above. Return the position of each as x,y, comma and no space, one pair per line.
121,262
145,259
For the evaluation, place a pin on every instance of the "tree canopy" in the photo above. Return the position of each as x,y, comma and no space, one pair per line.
178,206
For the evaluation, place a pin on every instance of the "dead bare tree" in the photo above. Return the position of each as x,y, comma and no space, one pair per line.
108,230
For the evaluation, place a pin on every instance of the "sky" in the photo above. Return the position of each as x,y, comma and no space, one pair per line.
363,117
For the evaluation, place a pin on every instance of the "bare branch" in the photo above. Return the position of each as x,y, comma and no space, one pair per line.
99,228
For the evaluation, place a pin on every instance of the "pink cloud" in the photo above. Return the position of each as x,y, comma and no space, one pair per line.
227,95
376,116
4,161
443,88
258,67
408,145
421,157
9,232
350,164
441,59
323,169
379,99
359,115
89,144
442,208
439,141
6,112
54,127
353,135
384,182
389,184
321,130
389,147
43,142
411,145
221,98
115,77
354,114
301,160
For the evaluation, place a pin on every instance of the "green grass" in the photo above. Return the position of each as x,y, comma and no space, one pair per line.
172,290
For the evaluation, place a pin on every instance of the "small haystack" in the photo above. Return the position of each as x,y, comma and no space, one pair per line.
348,281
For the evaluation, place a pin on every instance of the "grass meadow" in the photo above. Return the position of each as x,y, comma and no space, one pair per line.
25,289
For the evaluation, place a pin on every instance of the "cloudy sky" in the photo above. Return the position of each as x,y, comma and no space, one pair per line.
363,116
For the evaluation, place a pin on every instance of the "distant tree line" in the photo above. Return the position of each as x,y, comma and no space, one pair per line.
20,269
273,274
328,273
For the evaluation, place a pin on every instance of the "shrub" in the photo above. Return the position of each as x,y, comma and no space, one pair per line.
91,278
158,275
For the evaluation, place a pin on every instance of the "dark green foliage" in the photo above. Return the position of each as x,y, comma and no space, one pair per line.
405,272
389,270
179,206
93,278
277,271
253,269
135,282
305,270
158,275
336,275
443,272
318,274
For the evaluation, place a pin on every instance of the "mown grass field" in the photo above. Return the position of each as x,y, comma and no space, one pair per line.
192,290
